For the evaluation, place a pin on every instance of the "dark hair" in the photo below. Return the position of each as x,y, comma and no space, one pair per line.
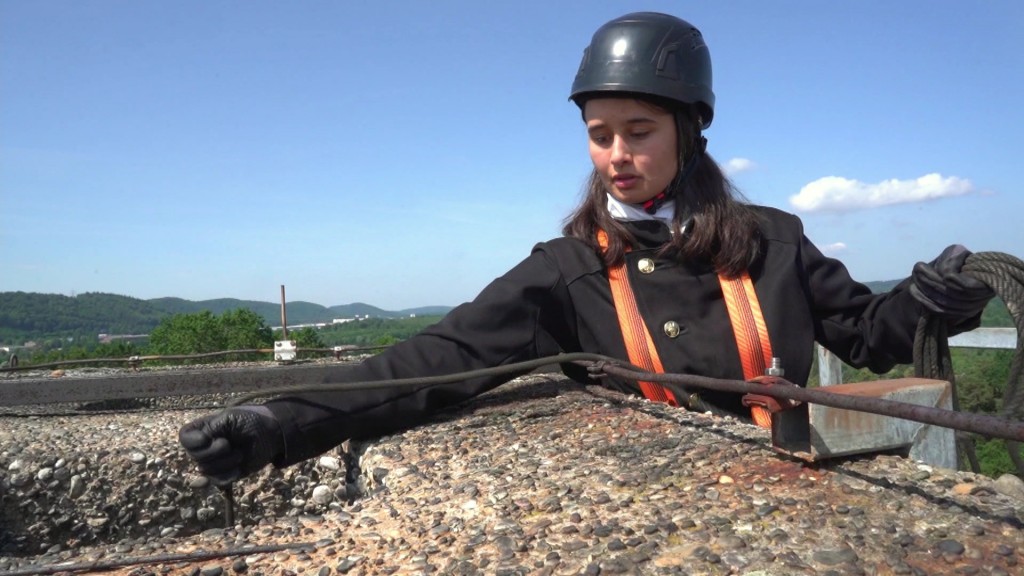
724,228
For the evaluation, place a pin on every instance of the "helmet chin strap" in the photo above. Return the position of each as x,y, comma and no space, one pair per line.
651,206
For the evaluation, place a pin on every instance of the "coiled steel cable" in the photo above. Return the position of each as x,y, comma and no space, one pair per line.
1003,273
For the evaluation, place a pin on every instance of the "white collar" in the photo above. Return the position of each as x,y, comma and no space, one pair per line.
622,211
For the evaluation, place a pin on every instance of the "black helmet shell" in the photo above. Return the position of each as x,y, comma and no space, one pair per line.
648,53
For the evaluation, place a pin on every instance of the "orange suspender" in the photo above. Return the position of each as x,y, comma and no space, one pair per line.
748,326
751,334
639,344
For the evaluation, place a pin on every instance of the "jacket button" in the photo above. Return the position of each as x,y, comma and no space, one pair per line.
671,328
646,265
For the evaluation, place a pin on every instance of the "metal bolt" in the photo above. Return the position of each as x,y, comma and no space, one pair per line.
776,368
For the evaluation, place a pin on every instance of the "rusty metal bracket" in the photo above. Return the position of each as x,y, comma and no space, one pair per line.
816,432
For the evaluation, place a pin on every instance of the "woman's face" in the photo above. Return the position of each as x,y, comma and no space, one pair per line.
633,147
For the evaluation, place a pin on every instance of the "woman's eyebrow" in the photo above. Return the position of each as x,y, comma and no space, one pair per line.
598,124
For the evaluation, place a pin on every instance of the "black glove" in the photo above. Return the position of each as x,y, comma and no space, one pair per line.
944,291
233,443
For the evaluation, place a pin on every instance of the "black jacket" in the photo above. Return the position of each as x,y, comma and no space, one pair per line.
559,298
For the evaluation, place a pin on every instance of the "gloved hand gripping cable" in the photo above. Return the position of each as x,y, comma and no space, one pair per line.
1004,275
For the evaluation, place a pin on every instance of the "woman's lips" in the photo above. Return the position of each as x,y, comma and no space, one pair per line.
625,182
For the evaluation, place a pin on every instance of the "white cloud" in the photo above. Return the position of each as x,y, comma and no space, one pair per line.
833,248
736,165
837,194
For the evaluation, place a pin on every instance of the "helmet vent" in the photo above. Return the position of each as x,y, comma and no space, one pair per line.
696,40
667,67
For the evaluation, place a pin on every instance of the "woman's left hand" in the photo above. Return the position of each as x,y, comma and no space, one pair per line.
944,290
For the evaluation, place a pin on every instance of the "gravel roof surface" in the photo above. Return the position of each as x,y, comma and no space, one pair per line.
541,476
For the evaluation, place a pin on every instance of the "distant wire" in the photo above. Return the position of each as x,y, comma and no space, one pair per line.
134,360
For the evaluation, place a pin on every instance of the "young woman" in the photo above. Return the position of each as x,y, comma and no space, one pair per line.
660,232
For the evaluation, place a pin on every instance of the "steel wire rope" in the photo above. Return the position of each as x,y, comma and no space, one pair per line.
1003,273
599,365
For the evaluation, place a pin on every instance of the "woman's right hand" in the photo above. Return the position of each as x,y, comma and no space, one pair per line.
233,443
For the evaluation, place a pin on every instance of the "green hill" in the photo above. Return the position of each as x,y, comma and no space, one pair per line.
26,316
29,315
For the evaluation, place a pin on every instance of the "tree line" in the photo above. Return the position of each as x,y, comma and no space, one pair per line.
238,329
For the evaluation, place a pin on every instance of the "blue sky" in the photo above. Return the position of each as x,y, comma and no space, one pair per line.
404,154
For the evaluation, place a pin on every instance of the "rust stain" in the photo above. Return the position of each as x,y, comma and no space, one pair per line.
787,470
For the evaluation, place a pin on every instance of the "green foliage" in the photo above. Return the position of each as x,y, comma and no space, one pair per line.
996,315
306,337
994,458
981,378
90,350
375,331
203,332
187,334
245,329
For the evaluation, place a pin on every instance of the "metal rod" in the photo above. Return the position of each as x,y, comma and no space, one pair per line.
598,365
284,317
228,492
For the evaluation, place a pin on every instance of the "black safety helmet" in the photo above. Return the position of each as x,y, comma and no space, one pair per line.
648,53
